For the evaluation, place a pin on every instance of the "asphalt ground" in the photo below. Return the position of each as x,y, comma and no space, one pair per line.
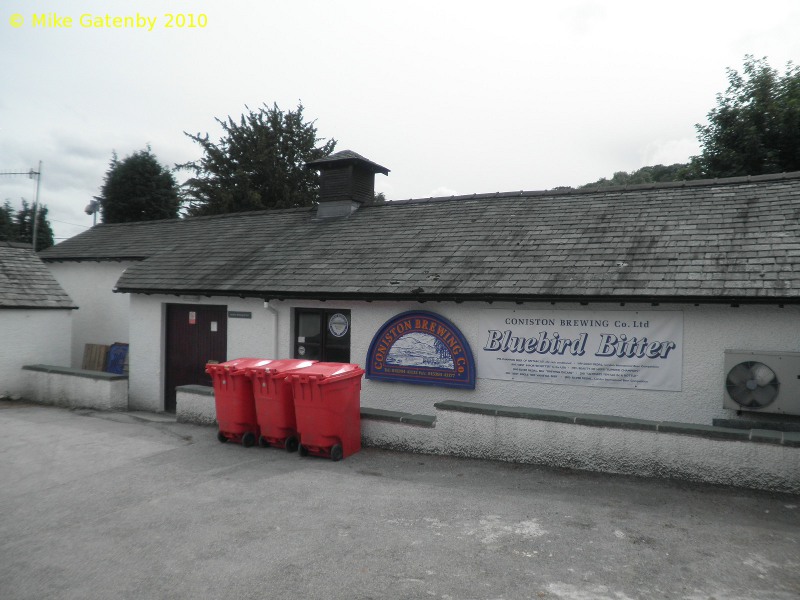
133,505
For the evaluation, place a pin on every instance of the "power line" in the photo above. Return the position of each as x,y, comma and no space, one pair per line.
65,223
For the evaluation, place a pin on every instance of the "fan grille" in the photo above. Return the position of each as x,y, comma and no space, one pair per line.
752,384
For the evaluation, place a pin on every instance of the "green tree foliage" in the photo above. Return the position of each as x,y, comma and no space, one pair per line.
8,231
753,130
755,127
259,163
654,174
17,226
138,188
24,223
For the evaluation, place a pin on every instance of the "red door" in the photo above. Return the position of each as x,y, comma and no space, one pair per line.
196,334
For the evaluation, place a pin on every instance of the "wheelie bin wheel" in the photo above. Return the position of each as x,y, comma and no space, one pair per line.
292,443
302,450
248,439
222,437
262,441
336,452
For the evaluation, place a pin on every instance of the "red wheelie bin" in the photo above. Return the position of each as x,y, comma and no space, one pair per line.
272,392
327,403
233,397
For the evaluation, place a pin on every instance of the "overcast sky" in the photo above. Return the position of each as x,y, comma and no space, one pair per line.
455,97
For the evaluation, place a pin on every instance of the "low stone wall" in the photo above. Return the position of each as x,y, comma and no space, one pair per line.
75,388
760,459
753,458
399,431
195,404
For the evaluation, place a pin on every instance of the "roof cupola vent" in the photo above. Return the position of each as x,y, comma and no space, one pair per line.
347,180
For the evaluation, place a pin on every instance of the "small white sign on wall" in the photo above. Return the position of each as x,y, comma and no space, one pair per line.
621,349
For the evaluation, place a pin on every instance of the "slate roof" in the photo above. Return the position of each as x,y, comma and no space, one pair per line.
26,282
727,240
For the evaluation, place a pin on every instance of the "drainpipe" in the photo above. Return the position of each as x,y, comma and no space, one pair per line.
274,312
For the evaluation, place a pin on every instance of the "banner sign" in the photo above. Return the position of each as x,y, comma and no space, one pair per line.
421,347
620,349
239,314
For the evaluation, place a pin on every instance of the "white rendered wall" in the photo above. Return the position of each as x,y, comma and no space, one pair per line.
252,337
31,337
708,331
102,316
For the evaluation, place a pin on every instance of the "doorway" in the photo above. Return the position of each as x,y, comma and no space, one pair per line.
322,335
195,335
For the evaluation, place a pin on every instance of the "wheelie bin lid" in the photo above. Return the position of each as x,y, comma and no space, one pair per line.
327,371
231,366
268,366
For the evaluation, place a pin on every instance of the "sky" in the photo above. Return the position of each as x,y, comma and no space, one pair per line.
454,97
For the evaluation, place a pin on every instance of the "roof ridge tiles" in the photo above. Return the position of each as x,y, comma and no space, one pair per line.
566,191
189,219
692,182
486,196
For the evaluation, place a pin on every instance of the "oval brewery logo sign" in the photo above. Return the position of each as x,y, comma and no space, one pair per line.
421,347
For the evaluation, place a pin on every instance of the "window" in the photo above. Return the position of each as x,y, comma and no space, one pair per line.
322,335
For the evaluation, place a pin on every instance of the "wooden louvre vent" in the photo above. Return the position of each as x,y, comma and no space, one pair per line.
347,180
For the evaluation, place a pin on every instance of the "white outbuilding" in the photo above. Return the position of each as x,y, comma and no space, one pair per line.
651,329
35,317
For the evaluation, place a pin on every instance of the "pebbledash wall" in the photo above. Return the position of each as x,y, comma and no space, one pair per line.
708,330
102,316
39,335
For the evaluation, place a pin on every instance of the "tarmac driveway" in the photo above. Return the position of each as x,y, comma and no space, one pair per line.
130,505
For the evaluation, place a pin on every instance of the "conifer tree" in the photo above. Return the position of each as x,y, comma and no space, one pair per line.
259,163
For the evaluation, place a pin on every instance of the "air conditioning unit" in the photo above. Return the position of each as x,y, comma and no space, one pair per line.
764,382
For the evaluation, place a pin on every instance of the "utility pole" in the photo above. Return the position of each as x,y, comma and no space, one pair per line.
38,174
36,203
